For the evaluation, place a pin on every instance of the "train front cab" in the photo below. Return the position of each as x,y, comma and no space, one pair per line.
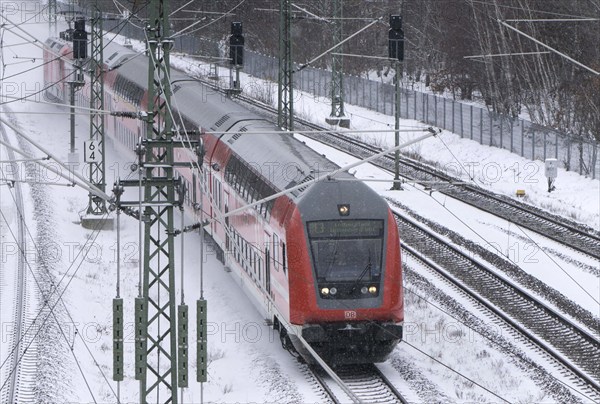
346,288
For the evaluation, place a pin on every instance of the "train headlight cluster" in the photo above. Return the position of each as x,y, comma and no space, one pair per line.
372,289
329,291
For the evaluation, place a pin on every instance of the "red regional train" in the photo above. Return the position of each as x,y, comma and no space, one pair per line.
322,262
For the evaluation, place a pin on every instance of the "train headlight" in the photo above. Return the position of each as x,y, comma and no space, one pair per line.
333,291
344,209
372,289
325,291
364,290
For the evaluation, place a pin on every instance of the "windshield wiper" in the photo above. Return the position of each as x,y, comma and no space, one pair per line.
363,273
335,251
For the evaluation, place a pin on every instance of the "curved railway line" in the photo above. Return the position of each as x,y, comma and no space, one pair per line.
573,347
18,382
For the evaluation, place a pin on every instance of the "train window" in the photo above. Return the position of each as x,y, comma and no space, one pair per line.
284,258
260,266
194,182
219,196
276,251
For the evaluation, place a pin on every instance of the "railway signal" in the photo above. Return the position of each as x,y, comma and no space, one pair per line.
396,52
80,39
236,52
396,38
236,44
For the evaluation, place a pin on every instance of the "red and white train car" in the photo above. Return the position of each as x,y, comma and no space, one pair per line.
322,262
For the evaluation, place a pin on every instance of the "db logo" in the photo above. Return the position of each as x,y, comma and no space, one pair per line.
350,315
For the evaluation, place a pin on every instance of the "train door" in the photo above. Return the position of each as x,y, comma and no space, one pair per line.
226,200
267,270
216,205
194,196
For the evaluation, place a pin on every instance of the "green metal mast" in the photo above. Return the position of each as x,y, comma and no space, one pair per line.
95,148
286,86
337,116
158,381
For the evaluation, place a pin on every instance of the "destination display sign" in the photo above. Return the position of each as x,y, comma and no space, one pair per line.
345,229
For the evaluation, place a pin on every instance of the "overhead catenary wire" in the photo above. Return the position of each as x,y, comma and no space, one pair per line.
518,227
58,323
210,23
326,176
221,217
469,379
561,54
506,6
91,240
83,182
491,337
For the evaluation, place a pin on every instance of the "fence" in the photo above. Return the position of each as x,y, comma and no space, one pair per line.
518,136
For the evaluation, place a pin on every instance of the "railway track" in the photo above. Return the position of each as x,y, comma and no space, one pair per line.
19,381
366,382
573,347
576,236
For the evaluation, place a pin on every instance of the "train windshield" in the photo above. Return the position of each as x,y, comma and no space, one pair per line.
346,250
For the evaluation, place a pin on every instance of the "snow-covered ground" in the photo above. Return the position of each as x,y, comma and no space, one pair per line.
246,362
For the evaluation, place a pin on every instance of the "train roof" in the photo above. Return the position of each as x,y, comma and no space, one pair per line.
283,160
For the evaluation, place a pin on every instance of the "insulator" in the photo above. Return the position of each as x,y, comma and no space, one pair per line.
182,345
118,340
201,329
141,331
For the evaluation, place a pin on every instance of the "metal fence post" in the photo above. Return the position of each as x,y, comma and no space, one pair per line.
415,109
501,132
512,126
377,96
522,138
444,113
480,125
435,111
491,128
594,160
533,144
471,117
462,130
453,103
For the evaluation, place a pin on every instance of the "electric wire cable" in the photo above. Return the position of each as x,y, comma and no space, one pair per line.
520,229
39,254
